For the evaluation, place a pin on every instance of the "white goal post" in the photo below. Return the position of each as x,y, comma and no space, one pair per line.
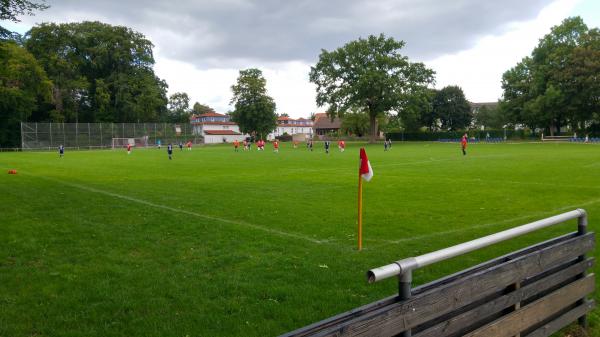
123,142
557,138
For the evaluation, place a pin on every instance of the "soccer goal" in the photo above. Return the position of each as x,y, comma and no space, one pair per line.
557,138
123,142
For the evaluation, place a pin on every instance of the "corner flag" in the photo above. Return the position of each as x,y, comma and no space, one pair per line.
365,171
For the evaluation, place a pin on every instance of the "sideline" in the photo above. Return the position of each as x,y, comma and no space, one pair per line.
181,211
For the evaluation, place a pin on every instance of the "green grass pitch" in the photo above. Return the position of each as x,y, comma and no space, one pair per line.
218,243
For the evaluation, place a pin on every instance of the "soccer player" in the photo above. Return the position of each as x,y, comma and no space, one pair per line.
463,144
327,146
236,144
159,143
295,144
189,145
385,145
180,146
342,146
310,145
61,151
276,146
170,151
128,148
390,144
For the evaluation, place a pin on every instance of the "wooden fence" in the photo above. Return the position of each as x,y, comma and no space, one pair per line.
531,292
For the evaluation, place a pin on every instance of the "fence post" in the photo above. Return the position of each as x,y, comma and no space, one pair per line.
101,143
22,138
404,293
582,223
77,135
89,137
50,132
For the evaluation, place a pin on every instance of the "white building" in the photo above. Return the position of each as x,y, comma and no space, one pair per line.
300,126
216,128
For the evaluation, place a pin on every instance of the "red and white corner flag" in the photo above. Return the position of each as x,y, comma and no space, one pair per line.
365,170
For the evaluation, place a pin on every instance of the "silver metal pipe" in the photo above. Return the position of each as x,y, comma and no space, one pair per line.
412,263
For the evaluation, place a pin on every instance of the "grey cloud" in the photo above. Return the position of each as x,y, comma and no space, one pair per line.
223,33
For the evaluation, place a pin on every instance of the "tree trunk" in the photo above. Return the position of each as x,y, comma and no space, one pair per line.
373,133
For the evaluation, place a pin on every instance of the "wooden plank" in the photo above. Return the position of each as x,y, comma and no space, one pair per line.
470,318
362,310
538,311
400,316
563,320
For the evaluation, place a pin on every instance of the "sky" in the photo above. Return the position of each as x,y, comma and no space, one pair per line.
201,45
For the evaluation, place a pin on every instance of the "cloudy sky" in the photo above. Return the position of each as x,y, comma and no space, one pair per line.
200,45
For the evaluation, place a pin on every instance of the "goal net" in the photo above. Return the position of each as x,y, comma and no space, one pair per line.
123,142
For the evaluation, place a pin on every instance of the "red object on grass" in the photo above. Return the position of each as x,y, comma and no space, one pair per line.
12,171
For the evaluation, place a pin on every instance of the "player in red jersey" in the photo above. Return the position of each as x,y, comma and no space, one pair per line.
276,146
236,144
463,144
128,148
342,146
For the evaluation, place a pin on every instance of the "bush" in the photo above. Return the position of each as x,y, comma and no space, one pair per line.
478,134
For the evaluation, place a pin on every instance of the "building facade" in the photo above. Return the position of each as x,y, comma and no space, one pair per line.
216,128
293,127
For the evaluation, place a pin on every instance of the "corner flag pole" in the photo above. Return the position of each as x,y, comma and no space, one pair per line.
365,171
359,211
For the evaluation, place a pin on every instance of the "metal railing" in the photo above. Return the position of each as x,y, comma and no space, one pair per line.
405,267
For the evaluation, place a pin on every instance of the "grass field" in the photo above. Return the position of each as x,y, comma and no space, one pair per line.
217,243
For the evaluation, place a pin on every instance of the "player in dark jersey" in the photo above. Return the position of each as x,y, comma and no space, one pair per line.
327,143
170,151
61,151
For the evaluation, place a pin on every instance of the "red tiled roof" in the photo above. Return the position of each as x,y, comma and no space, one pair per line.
214,123
221,132
283,118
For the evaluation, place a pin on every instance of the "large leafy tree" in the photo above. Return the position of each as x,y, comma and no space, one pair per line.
24,86
368,74
100,72
452,108
557,84
254,109
179,108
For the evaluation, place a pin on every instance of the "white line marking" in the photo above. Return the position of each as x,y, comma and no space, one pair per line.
182,211
463,229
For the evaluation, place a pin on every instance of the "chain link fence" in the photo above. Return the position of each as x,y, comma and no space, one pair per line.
40,136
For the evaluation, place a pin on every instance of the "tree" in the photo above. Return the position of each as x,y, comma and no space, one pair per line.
200,109
179,108
356,123
11,9
490,118
284,115
557,84
83,58
418,111
452,108
368,74
24,86
254,110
